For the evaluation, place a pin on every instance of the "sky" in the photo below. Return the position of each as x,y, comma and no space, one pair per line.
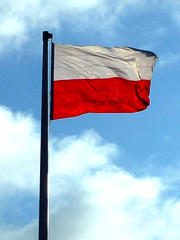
112,176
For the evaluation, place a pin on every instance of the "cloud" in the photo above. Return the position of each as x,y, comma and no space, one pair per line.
90,196
22,20
19,150
168,59
21,17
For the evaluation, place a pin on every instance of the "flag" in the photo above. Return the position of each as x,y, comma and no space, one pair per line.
95,79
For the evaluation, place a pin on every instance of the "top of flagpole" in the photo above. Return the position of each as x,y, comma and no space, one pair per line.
47,35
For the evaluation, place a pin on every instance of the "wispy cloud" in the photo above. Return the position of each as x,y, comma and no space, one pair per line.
168,59
22,19
19,18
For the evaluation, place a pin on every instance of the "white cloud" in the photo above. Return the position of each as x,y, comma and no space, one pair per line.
20,20
19,150
21,17
90,197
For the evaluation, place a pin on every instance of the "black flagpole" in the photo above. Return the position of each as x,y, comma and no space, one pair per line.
43,198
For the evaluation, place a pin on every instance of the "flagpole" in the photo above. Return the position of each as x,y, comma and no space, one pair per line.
43,198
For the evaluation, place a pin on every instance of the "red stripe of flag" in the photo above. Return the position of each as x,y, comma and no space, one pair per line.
114,95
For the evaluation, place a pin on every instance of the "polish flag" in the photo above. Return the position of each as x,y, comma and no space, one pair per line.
94,79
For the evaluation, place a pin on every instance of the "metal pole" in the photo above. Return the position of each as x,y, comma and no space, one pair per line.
43,198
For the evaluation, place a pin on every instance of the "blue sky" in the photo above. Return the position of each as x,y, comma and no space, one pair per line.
111,175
